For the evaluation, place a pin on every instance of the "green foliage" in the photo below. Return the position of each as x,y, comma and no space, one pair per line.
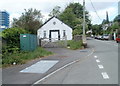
68,17
73,17
11,36
30,20
75,44
77,30
115,26
77,9
23,57
0,34
97,29
112,28
116,18
55,11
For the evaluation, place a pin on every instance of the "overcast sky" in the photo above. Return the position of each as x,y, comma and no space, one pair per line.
16,7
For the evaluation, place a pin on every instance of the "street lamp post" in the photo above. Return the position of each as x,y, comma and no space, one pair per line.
84,36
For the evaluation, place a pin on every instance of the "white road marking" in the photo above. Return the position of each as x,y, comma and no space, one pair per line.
97,60
100,66
105,75
95,56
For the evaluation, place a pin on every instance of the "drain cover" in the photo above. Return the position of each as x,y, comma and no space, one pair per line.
83,50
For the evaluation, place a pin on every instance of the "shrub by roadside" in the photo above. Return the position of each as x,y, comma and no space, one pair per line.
11,39
75,44
23,57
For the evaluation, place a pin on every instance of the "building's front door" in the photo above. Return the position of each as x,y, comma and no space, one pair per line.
54,35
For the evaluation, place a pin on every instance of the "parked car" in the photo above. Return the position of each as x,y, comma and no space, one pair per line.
99,37
95,37
105,37
118,39
92,36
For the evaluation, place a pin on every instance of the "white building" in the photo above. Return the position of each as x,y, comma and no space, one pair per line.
54,29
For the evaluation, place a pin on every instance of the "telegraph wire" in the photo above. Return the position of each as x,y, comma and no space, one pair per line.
95,10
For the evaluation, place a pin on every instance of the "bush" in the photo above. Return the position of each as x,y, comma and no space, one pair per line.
23,57
12,38
12,35
75,44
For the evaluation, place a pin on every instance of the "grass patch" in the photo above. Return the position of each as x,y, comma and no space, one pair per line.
75,44
23,57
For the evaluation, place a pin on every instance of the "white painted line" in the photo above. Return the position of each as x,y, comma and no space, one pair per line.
105,75
95,56
100,66
97,60
37,82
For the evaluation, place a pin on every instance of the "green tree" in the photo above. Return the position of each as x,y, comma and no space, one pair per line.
116,18
97,29
77,9
114,26
55,11
78,30
73,16
68,17
12,38
30,20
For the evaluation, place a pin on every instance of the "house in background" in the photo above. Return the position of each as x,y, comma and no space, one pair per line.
54,29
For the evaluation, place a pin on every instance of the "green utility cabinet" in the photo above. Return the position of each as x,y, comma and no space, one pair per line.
28,42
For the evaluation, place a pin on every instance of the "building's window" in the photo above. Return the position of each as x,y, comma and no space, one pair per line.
54,23
64,33
44,34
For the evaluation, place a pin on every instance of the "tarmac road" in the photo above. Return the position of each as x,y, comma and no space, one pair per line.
101,67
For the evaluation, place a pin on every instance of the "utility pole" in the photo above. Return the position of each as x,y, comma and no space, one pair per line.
84,36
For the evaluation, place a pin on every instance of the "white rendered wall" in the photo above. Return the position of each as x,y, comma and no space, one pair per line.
58,26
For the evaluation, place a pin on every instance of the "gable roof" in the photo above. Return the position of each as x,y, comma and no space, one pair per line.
52,18
47,21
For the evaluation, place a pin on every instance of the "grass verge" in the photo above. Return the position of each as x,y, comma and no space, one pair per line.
23,57
75,44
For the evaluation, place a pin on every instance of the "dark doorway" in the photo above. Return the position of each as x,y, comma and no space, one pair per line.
50,36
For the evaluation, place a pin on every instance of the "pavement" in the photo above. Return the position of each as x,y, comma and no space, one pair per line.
12,75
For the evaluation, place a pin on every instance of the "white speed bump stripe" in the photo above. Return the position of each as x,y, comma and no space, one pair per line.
105,75
100,66
97,60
